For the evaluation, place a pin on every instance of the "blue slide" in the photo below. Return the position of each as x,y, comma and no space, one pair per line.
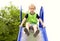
41,28
42,36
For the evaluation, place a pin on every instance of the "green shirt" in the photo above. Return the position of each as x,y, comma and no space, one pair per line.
32,18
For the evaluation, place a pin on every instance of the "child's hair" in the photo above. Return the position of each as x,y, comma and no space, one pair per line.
32,6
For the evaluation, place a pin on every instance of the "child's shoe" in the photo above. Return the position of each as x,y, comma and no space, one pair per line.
36,33
26,31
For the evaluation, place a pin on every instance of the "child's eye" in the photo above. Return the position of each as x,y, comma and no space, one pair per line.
31,8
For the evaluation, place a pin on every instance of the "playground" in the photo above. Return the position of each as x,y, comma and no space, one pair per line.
42,36
12,13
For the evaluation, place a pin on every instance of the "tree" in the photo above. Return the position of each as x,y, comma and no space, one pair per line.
9,23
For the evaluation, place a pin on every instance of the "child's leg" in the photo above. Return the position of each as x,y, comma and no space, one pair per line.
36,31
35,28
27,28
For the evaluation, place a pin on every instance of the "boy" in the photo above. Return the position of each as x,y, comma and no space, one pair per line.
31,20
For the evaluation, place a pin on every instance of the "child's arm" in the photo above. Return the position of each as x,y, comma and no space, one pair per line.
23,21
26,16
41,22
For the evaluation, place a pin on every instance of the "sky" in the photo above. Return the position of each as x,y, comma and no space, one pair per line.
23,3
51,14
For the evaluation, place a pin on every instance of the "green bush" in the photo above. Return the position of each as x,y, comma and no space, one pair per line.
9,23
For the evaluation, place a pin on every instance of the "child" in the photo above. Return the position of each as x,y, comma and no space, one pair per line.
31,20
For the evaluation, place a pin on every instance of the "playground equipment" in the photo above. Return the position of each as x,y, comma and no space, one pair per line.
42,36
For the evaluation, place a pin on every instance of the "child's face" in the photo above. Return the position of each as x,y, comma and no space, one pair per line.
32,8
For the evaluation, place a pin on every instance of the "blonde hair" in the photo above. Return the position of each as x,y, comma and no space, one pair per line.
32,6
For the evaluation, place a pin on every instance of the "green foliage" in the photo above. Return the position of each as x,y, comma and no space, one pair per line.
9,23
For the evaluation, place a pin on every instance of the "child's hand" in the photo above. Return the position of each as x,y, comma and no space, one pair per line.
43,26
20,25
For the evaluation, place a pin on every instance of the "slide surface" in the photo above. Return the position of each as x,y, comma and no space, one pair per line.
41,36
